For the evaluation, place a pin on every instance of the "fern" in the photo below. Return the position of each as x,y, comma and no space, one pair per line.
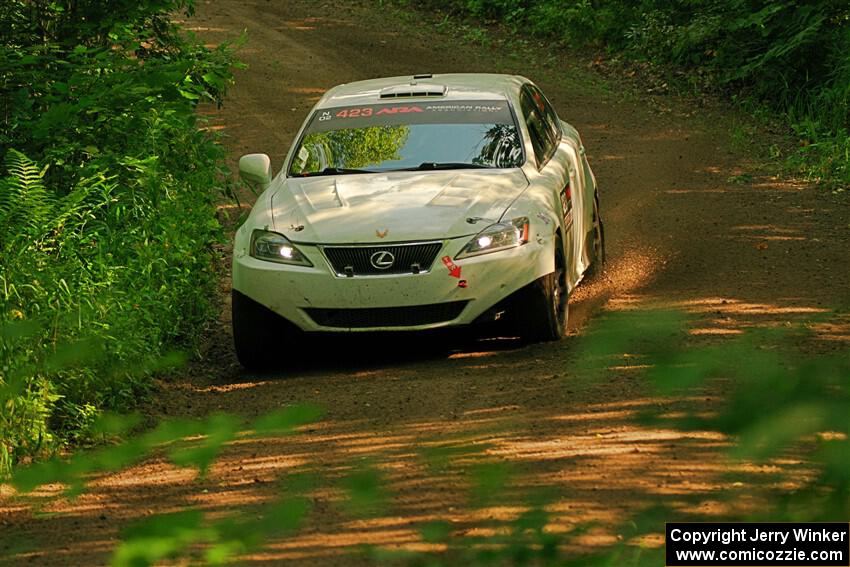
73,212
25,204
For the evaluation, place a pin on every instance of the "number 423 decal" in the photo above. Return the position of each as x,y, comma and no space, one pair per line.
358,112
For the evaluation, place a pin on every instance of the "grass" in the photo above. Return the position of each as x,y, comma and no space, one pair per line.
108,195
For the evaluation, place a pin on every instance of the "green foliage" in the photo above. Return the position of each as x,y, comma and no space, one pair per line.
365,490
792,56
107,208
172,535
489,482
778,401
181,534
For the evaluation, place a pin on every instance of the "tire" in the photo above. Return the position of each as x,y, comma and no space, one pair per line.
258,332
597,251
541,309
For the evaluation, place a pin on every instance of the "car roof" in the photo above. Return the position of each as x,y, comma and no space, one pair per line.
448,87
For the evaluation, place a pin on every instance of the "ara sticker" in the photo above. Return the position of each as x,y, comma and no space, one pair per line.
382,233
544,218
454,269
399,110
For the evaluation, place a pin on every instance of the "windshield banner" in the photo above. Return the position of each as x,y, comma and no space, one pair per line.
406,113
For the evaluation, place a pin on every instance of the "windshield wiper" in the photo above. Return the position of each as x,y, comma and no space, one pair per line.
335,171
432,165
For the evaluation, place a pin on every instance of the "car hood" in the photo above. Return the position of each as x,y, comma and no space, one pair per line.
393,206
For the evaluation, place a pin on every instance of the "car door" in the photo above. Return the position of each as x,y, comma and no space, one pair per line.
555,168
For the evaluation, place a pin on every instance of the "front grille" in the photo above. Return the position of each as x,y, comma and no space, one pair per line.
406,258
387,316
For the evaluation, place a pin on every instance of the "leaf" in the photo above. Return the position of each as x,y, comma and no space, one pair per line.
218,430
213,79
188,94
159,537
71,355
19,330
365,490
28,478
24,200
287,515
436,532
287,419
772,433
489,482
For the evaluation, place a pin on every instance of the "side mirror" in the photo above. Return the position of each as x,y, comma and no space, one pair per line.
256,169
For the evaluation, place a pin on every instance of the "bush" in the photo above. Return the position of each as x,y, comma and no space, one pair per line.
792,56
107,209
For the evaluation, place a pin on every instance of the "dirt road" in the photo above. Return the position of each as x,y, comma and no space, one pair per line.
682,228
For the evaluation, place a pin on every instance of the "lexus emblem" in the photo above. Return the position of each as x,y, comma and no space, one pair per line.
382,260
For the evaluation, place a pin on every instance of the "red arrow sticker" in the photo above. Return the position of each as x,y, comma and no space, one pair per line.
454,270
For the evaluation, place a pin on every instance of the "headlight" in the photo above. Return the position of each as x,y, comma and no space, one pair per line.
495,237
274,247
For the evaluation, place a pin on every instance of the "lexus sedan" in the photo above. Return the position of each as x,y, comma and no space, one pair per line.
413,203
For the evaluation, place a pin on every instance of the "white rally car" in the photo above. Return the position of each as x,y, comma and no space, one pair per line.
412,203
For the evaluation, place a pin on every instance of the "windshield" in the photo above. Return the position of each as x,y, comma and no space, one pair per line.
409,136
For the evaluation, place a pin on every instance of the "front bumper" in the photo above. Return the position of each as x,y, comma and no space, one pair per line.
294,292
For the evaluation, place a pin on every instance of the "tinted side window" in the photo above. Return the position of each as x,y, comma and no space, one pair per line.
537,129
552,122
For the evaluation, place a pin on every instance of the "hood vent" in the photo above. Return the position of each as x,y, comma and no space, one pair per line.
411,91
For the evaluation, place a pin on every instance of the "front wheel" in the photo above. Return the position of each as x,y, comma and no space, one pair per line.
258,332
542,308
597,253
